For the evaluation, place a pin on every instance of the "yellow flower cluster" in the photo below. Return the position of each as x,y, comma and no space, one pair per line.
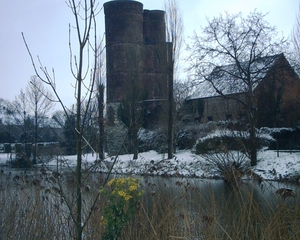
133,188
124,195
126,188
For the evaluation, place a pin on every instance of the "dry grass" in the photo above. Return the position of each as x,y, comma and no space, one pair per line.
170,209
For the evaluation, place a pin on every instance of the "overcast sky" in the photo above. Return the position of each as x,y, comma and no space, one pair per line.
45,26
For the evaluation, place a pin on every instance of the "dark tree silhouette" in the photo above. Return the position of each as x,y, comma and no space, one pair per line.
241,42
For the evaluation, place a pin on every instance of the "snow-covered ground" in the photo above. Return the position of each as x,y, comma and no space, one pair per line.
185,163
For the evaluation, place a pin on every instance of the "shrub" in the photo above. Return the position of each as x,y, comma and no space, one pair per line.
283,138
187,134
231,140
152,140
230,165
219,142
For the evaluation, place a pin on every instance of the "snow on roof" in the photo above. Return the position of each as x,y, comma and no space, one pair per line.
230,79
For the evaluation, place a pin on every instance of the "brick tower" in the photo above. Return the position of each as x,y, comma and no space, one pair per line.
138,58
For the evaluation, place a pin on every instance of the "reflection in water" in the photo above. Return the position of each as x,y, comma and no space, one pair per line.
194,208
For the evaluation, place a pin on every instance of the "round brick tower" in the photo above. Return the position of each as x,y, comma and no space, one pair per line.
155,53
154,26
137,67
124,38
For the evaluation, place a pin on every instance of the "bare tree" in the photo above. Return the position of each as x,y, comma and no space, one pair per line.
83,68
7,112
295,36
242,43
174,29
295,39
22,117
174,35
59,117
100,82
181,90
40,104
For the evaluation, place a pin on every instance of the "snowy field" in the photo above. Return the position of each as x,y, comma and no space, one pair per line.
184,163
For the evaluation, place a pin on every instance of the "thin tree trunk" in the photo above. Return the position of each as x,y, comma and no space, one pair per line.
78,171
253,152
101,120
78,132
170,111
134,130
35,136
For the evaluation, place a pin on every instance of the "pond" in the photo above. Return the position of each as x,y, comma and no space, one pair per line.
171,208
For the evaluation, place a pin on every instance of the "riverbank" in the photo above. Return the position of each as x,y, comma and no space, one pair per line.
270,166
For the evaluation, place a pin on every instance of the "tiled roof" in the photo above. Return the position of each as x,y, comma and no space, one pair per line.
229,78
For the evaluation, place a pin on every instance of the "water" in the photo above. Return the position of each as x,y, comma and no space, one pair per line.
46,197
173,186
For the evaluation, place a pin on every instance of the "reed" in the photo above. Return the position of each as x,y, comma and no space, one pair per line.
169,209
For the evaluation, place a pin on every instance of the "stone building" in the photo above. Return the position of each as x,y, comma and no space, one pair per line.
276,90
138,61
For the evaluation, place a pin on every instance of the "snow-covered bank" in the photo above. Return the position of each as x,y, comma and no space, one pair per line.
186,164
271,167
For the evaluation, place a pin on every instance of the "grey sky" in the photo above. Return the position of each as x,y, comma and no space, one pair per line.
45,25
